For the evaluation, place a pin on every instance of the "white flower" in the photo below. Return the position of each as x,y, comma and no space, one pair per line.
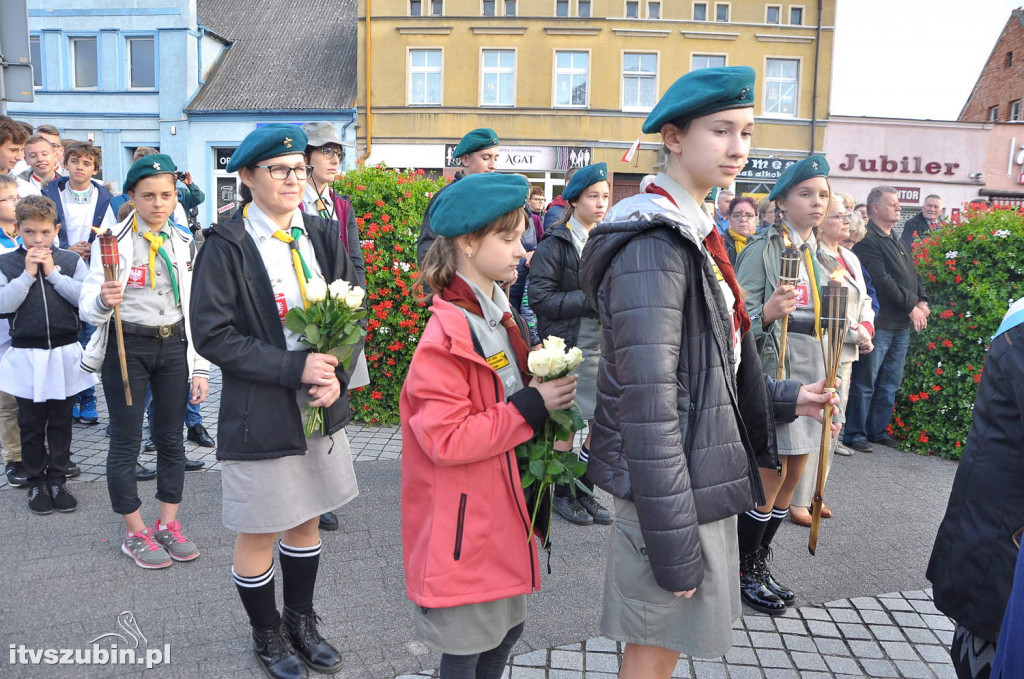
339,289
1001,233
553,343
404,265
539,363
952,254
316,290
354,297
573,358
559,363
967,315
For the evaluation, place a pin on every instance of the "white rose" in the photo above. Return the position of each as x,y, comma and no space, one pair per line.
316,290
558,363
539,363
339,289
354,297
573,358
553,343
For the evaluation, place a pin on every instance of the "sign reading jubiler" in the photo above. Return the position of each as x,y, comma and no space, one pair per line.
521,158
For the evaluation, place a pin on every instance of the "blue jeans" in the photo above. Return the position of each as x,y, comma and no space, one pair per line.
85,331
876,379
192,415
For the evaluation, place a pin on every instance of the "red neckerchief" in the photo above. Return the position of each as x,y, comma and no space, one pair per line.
716,246
461,295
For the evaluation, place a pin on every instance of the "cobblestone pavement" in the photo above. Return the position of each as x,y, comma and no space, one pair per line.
67,583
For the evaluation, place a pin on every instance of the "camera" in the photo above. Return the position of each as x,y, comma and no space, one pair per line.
180,176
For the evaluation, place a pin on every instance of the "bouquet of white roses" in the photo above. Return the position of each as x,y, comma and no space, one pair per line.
540,465
330,325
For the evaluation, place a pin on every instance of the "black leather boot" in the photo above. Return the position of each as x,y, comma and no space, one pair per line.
311,647
753,590
276,655
785,594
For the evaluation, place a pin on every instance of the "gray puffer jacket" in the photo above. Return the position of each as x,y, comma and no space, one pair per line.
677,431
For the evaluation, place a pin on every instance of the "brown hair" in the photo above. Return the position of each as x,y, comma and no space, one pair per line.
48,129
142,152
36,208
35,139
442,259
8,180
125,210
536,191
12,131
85,149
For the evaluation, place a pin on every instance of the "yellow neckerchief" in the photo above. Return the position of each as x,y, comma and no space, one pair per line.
301,271
739,239
811,267
156,247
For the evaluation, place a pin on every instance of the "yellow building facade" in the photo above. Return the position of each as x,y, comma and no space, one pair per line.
569,82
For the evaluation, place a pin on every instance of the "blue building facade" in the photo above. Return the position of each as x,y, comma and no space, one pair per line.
154,74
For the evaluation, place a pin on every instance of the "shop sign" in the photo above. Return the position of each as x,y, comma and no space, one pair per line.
764,169
883,164
521,158
909,195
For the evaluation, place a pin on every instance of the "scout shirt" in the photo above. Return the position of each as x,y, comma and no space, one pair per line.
802,318
493,337
149,298
310,197
277,259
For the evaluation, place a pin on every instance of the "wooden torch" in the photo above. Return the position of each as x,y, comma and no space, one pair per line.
789,274
112,272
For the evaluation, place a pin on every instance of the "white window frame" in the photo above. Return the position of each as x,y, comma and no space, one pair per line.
622,80
568,9
803,15
993,114
430,8
625,8
764,100
555,73
426,71
37,68
773,23
708,54
693,13
728,11
504,8
496,8
1015,110
661,9
515,75
72,59
590,15
409,8
128,60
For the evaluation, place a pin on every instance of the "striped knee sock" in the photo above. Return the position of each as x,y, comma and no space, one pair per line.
750,530
257,594
299,566
773,524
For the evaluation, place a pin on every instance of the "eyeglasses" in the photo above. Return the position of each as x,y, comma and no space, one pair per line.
743,216
330,152
281,172
846,219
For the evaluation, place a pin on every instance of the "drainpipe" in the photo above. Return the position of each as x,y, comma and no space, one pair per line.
814,95
366,76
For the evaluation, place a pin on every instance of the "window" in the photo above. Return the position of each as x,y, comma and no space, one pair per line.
489,8
632,9
653,10
583,9
1009,60
796,16
36,51
707,61
780,87
415,8
639,81
773,14
84,66
425,77
721,12
572,70
1015,110
510,8
700,11
498,86
561,8
993,114
141,63
437,8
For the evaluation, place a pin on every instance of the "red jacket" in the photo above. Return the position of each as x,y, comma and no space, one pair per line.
464,517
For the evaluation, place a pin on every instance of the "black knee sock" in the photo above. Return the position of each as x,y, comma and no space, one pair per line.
750,530
298,576
257,594
773,524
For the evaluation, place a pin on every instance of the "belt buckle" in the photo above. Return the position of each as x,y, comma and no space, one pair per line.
165,331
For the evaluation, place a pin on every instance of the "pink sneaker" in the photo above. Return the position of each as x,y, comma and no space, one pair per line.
144,550
177,545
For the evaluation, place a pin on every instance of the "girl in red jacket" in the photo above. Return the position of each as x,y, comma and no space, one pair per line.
467,403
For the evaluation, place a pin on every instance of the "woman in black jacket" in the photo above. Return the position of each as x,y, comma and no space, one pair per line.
562,310
250,271
684,414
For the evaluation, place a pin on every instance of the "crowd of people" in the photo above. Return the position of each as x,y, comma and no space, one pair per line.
703,414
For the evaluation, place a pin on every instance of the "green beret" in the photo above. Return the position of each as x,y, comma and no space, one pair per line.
476,200
269,141
703,92
811,166
147,166
484,138
584,177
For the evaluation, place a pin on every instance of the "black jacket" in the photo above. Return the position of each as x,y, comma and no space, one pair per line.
236,326
915,227
427,235
897,283
555,294
45,319
671,426
972,563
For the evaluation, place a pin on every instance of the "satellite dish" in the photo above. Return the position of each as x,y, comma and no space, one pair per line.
1019,158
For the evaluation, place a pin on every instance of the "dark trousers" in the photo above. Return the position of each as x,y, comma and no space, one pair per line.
161,365
48,421
487,665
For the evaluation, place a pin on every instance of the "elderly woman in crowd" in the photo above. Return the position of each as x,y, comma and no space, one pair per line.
742,224
765,213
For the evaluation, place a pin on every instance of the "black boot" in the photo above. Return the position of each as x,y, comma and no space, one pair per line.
764,555
312,647
276,655
753,590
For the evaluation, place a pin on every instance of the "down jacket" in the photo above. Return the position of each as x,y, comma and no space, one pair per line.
555,294
671,427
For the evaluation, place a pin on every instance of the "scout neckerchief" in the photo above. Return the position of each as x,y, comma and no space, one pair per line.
716,248
302,272
814,275
80,197
321,203
156,247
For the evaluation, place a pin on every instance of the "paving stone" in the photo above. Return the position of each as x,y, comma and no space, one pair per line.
776,673
564,674
770,640
741,656
682,670
740,638
907,619
839,603
708,670
770,658
915,594
899,650
899,604
566,660
938,622
866,649
854,631
745,672
925,607
844,615
822,629
917,636
913,669
875,617
602,662
810,613
886,633
791,626
799,643
878,668
866,603
528,673
842,665
943,671
816,675
758,623
832,647
600,675
602,645
809,661
934,654
532,659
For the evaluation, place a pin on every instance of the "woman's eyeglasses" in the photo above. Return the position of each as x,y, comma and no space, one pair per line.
743,216
329,152
845,219
281,172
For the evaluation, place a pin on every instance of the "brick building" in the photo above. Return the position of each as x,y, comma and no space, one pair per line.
997,94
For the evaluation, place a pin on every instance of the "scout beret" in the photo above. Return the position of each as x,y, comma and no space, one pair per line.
321,134
475,201
147,166
703,92
811,166
584,177
483,138
269,141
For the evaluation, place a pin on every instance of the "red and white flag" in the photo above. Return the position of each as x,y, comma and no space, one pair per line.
631,151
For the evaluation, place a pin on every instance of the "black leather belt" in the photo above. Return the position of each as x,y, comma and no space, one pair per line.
158,331
801,325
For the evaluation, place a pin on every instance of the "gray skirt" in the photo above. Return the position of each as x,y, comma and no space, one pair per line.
637,611
469,629
803,358
269,496
589,342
